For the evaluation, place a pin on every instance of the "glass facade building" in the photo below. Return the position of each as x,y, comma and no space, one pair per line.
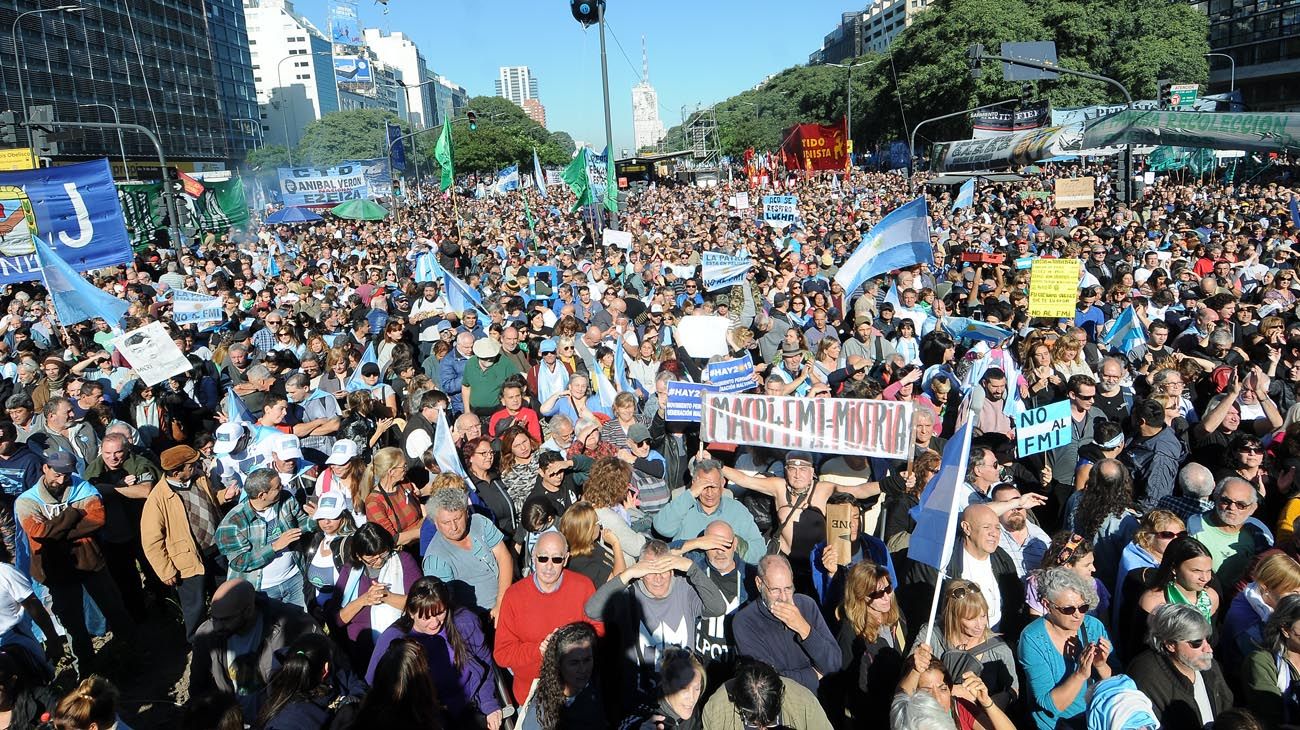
1263,39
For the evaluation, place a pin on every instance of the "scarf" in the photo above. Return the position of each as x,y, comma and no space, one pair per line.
1256,602
382,615
550,382
202,514
1173,595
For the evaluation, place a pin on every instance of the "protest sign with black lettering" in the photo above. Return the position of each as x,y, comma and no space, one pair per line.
193,308
1042,429
152,353
723,270
826,425
780,211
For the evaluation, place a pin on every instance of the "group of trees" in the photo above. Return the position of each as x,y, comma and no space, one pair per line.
504,136
926,72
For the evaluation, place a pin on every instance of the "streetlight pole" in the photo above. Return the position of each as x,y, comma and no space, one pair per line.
256,126
911,139
18,69
848,117
279,84
121,144
609,124
1232,70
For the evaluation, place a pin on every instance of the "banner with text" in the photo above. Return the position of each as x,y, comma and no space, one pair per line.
1074,192
193,308
723,270
684,401
1249,131
1042,429
780,211
825,425
731,376
1053,287
817,146
314,188
995,153
987,123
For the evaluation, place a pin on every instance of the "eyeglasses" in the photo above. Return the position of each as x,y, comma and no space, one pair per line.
1225,502
1086,397
1195,643
1170,534
544,559
639,444
957,593
1071,610
1253,449
877,595
482,452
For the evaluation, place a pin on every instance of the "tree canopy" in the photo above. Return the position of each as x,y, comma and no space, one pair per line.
926,73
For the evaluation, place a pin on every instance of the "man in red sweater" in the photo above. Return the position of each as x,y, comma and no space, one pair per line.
535,607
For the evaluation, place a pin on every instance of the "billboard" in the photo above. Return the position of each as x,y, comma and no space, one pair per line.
987,123
352,73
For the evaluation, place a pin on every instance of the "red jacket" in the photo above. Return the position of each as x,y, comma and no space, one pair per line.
528,616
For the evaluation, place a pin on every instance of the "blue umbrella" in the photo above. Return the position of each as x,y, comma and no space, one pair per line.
293,214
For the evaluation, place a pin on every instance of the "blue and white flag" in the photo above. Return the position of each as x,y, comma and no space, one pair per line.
444,449
937,511
605,390
900,239
235,410
355,382
1126,333
75,299
427,268
1013,405
507,180
965,328
965,195
1295,210
621,379
722,270
459,294
538,176
273,266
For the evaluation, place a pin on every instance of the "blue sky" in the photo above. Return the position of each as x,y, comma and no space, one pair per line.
701,51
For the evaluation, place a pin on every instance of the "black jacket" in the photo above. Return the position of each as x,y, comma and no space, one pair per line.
1171,692
918,584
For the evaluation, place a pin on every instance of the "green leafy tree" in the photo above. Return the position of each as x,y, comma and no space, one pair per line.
267,158
355,134
505,136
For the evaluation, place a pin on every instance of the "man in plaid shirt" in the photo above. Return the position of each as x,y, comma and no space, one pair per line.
258,537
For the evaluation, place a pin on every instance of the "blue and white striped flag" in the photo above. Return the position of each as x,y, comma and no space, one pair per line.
235,410
507,180
965,328
75,299
1126,332
900,239
444,450
427,268
538,175
620,370
965,196
937,511
459,294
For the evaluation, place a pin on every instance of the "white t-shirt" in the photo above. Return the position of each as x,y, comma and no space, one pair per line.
14,589
980,572
281,568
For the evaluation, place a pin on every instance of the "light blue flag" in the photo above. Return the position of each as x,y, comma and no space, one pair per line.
538,175
355,382
937,511
273,268
459,294
1012,405
507,180
965,196
236,411
427,268
605,391
1126,333
444,451
900,239
621,379
965,328
316,395
75,299
1295,210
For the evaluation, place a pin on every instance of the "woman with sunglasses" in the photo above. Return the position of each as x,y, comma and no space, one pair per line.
1064,652
871,639
1071,551
963,633
1140,558
1183,576
1274,577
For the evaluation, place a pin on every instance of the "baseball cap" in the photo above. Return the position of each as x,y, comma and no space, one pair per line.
779,299
331,506
548,345
344,450
227,436
638,433
62,462
286,446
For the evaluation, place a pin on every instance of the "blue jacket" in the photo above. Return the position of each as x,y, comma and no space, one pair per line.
451,375
763,636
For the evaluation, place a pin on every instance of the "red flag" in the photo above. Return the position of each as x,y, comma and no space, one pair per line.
193,188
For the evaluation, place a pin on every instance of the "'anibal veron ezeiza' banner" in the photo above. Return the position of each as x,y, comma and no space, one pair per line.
313,188
827,425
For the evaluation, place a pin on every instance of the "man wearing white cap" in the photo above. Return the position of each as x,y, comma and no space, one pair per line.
485,373
285,456
236,453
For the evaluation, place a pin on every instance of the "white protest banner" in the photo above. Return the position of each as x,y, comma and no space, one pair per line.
739,201
1042,429
703,336
731,376
193,308
152,354
723,270
826,425
617,239
554,177
780,211
684,400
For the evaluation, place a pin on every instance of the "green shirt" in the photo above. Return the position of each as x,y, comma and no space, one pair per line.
1231,551
485,385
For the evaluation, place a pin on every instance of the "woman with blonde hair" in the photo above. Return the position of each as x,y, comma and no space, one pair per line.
871,641
1156,530
1275,576
91,706
593,551
963,633
1067,358
390,500
338,369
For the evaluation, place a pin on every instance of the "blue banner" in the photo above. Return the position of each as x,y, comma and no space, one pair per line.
398,157
311,187
722,270
684,401
74,208
731,376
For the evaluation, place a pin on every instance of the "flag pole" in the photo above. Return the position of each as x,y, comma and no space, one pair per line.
973,403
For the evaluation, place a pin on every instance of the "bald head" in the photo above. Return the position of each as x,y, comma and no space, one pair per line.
979,525
552,541
720,529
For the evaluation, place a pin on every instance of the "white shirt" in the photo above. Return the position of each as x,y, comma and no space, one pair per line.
281,568
14,589
980,572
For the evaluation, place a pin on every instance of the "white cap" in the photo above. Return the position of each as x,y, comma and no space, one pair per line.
286,446
227,436
331,506
344,450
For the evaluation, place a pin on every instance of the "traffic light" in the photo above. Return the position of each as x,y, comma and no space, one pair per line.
587,12
1165,93
975,57
8,127
472,116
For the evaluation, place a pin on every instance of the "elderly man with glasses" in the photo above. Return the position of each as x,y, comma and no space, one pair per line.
1178,671
1230,531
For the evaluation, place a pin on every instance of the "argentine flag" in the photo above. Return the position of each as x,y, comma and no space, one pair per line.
507,180
355,382
900,239
444,449
965,196
538,176
75,299
459,294
235,410
965,328
427,268
937,511
1126,333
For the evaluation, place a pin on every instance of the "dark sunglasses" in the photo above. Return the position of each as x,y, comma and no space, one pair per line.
1071,610
1195,643
1253,449
639,444
1225,502
1170,535
877,595
557,559
957,593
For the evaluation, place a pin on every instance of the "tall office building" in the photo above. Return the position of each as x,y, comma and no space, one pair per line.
867,31
401,53
293,69
516,83
647,129
449,98
173,66
1262,39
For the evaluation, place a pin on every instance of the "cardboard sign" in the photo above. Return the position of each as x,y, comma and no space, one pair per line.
152,353
839,531
731,376
780,211
1075,192
1043,429
739,201
825,425
684,401
1054,287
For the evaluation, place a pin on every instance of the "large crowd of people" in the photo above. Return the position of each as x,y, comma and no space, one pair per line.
368,504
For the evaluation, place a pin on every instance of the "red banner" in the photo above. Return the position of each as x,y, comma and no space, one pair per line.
817,147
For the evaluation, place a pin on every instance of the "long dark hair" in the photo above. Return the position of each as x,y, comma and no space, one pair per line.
301,677
1179,551
550,685
428,597
1109,491
369,539
403,695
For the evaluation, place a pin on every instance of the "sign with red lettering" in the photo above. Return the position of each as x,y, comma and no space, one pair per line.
817,146
827,425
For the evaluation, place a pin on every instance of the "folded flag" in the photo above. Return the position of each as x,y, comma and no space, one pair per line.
75,299
965,196
1126,332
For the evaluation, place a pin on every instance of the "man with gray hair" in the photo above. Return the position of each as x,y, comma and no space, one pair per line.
468,552
259,537
786,629
705,501
451,372
1230,531
1193,495
1178,671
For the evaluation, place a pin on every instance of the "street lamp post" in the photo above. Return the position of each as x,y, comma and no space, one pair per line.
849,114
18,69
121,144
609,124
256,126
1232,70
279,84
911,139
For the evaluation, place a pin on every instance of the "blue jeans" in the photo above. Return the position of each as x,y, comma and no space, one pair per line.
290,591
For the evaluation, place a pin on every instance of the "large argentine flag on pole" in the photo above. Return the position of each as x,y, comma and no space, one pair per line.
900,239
1126,333
965,196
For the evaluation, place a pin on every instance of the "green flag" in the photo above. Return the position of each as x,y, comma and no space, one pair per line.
611,184
222,206
575,176
528,214
442,153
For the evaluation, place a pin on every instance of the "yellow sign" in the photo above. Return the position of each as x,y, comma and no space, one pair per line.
17,159
1075,192
1053,287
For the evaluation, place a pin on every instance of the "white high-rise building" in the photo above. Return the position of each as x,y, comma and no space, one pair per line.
293,69
647,129
400,52
517,84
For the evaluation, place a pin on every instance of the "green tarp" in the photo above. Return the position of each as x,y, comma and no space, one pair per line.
1249,131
